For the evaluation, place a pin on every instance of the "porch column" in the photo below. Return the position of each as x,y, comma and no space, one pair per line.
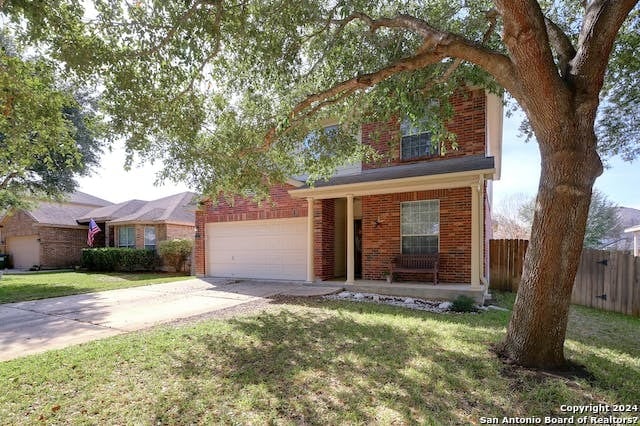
350,242
483,272
636,244
476,240
310,245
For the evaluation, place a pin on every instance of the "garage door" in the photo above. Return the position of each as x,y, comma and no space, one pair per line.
269,249
24,251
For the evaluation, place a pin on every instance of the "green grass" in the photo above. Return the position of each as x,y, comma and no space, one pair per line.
318,362
18,288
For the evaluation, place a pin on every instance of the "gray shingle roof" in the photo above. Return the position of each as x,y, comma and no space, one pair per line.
428,168
89,200
61,214
65,213
111,212
173,209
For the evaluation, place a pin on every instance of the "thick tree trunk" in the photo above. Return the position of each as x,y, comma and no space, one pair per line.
570,165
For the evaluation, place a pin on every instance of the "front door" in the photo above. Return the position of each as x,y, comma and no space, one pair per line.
357,247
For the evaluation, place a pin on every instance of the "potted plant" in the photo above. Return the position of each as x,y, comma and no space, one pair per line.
387,275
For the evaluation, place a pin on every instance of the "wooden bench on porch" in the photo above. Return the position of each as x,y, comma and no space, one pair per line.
416,263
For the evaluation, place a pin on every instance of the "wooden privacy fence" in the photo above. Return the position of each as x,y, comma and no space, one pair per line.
506,260
608,280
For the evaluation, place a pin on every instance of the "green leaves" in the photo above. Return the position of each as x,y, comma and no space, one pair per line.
44,139
214,88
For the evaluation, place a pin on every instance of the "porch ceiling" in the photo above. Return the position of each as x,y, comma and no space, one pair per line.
450,173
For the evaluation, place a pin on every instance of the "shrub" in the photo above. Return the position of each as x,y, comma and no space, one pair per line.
109,259
175,252
463,303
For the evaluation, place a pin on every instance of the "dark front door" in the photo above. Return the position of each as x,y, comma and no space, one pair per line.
357,247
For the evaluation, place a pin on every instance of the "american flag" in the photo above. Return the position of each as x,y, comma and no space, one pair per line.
93,230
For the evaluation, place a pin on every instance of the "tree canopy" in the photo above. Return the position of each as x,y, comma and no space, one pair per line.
48,132
218,87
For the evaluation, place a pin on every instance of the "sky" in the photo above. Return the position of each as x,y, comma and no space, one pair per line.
620,182
112,183
520,175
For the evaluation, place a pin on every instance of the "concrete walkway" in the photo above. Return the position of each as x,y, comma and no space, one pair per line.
40,325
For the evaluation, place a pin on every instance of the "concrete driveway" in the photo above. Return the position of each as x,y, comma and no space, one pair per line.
41,325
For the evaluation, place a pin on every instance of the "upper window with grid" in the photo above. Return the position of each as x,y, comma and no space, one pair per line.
416,142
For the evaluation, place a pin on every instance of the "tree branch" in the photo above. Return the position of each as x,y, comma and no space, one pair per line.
525,36
562,45
314,102
172,30
8,179
602,21
447,44
492,16
436,46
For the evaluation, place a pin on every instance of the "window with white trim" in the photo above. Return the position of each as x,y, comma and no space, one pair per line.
127,236
420,227
150,237
415,142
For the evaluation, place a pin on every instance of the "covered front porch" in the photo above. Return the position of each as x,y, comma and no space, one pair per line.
372,202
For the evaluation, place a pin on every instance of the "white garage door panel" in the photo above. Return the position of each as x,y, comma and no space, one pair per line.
269,249
24,251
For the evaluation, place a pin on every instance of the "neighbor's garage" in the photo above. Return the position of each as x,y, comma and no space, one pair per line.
270,249
24,251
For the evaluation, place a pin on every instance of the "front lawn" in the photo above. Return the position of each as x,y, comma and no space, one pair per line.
21,287
319,362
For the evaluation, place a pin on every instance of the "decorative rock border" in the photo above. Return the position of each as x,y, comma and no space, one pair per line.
405,302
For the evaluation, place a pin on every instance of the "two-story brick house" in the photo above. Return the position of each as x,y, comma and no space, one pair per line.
354,224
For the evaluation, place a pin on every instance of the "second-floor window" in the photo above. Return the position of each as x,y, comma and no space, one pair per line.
415,143
127,236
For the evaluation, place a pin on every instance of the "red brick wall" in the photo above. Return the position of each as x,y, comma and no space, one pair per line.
380,244
280,206
61,247
18,224
468,124
172,231
324,233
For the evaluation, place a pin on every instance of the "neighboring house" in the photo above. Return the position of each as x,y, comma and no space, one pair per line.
354,224
635,237
54,234
142,224
624,241
48,235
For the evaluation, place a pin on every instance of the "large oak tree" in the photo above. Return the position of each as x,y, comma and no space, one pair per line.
225,90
